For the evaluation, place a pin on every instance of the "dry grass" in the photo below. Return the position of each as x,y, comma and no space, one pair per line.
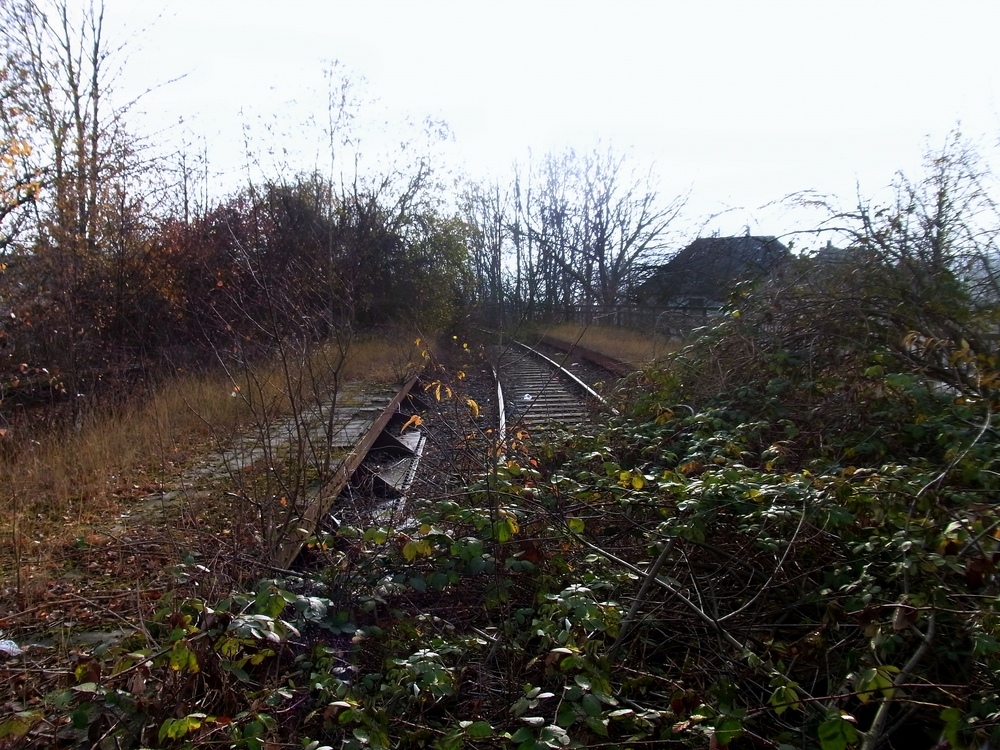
633,347
73,474
59,488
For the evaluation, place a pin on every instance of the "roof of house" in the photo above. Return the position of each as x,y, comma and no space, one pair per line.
709,266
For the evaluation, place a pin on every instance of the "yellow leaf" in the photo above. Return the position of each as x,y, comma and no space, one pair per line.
665,416
506,526
691,467
436,385
414,421
473,407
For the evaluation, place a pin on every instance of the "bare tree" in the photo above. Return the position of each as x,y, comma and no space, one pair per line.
89,236
598,221
487,207
933,250
19,177
624,222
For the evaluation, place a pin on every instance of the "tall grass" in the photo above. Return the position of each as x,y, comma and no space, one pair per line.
629,346
53,489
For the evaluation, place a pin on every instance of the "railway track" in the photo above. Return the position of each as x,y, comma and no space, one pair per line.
533,392
538,392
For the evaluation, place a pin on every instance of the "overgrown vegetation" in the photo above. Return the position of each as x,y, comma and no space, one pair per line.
60,490
112,275
787,538
798,550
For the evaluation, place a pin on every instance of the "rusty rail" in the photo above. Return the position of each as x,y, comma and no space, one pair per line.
298,531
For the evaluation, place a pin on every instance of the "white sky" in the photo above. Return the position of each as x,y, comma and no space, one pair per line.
741,101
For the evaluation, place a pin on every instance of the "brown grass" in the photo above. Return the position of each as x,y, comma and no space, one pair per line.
56,489
628,346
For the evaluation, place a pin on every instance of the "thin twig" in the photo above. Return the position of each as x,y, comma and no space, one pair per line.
640,598
874,734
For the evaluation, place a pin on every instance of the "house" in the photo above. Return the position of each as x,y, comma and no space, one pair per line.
701,275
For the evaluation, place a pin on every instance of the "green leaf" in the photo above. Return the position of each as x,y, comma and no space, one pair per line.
598,725
163,734
176,728
836,733
505,528
376,536
437,580
727,729
783,698
866,684
80,718
19,724
479,729
591,705
553,736
875,679
566,715
183,658
953,721
576,525
524,734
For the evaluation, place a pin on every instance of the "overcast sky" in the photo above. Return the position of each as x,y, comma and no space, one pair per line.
741,102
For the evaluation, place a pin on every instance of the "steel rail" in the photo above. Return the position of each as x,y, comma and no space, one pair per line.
542,393
572,376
